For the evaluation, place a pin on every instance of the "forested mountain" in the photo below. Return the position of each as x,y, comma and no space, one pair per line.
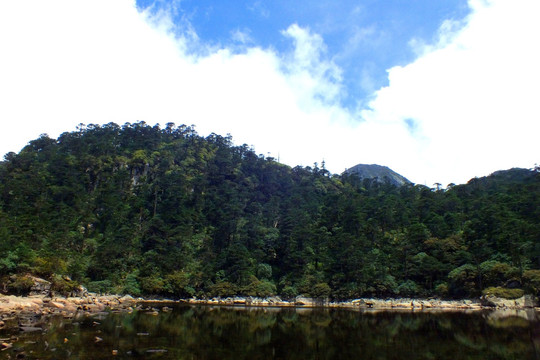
144,210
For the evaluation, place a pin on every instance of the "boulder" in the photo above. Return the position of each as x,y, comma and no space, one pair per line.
310,302
126,299
530,301
304,301
526,301
274,300
403,303
79,291
30,328
56,304
40,286
379,303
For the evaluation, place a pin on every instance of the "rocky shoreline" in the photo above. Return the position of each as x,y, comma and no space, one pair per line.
21,317
43,302
12,307
30,313
484,303
92,303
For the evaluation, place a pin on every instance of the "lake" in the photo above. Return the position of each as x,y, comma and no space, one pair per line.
206,332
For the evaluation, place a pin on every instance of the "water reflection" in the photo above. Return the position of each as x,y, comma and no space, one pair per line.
206,332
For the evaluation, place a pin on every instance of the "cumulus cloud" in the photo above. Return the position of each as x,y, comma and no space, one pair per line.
471,95
308,70
465,107
100,61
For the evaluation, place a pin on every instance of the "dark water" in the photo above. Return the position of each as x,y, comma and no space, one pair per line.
205,332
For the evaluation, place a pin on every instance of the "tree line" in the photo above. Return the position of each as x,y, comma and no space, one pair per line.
146,210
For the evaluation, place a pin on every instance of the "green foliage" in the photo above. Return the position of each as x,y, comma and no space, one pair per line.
16,261
100,287
223,289
153,284
503,292
408,288
132,287
289,292
138,209
8,263
260,288
531,280
464,280
383,286
178,283
495,273
442,290
48,266
20,285
321,290
63,284
264,271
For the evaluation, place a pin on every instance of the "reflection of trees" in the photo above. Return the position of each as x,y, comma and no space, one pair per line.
238,333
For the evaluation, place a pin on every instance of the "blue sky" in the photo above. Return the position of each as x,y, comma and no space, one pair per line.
439,91
364,38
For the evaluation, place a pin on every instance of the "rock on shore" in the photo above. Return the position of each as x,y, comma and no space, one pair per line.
92,303
371,303
67,306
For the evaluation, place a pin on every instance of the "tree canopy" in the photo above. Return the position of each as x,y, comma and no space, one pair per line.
164,211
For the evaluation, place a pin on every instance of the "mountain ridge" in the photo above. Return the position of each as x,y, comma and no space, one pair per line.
380,173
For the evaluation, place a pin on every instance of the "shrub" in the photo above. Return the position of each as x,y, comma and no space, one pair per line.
289,292
48,266
152,285
442,290
264,271
321,290
306,284
223,289
347,291
131,284
496,273
177,284
382,285
503,292
8,263
260,288
63,284
100,287
408,288
531,280
463,280
20,285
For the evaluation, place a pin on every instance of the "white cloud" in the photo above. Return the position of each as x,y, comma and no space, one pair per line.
307,70
101,61
242,36
471,94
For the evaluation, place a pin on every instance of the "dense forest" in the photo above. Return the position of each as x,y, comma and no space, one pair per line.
146,210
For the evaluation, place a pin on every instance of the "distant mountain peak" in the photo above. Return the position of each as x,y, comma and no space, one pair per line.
379,172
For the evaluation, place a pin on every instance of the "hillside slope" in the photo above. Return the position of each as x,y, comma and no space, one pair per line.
147,210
